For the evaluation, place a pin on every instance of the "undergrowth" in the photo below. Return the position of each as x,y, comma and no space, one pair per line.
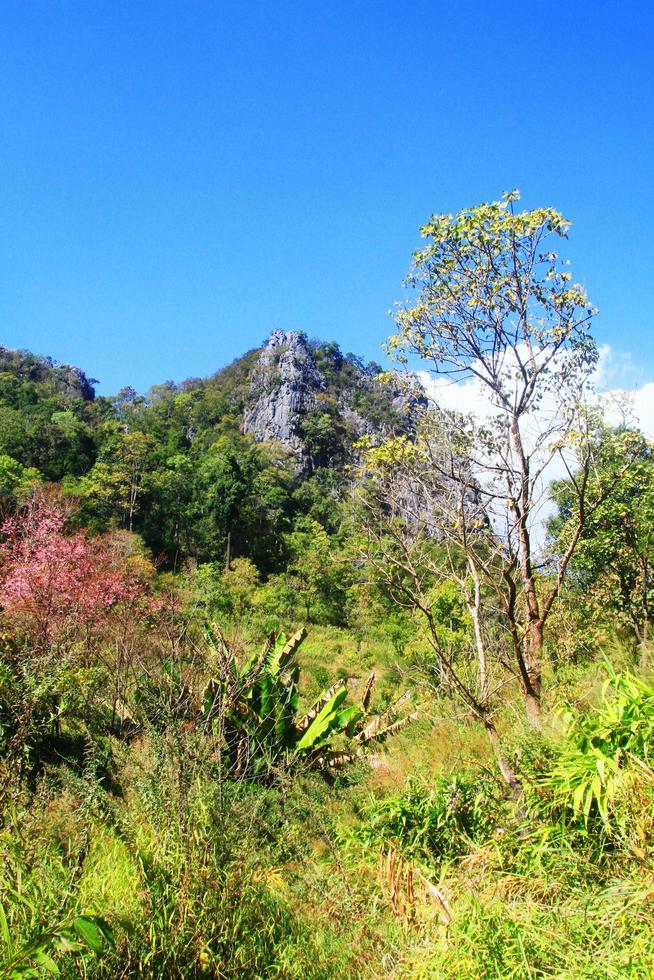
372,873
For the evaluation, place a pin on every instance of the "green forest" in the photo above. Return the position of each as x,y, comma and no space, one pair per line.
304,674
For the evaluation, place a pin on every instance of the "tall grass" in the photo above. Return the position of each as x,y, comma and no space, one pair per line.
368,876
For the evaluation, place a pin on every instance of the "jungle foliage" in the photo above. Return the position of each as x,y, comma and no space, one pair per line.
443,768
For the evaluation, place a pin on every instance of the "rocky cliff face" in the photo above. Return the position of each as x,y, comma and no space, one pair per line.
283,390
314,400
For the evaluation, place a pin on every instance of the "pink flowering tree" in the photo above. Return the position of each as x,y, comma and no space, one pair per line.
53,582
70,604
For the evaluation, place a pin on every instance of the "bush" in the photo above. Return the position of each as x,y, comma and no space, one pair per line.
602,750
438,822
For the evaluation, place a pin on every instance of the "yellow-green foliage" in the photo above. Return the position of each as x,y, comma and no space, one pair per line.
200,877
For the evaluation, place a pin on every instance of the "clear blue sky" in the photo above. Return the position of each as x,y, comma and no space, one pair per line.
180,177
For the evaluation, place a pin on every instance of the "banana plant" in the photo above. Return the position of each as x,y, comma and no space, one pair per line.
253,710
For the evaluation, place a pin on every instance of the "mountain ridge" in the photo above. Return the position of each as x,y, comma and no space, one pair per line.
304,394
227,464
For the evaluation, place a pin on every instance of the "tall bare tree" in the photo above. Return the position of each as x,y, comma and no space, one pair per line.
494,306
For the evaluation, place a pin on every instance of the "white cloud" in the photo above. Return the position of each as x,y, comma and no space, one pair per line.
619,381
613,381
469,397
644,408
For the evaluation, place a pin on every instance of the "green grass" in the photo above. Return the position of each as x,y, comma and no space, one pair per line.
203,878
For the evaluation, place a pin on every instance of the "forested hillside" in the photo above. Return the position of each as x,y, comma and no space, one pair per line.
305,675
246,455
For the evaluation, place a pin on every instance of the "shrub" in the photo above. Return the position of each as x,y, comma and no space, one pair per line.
437,822
601,751
253,709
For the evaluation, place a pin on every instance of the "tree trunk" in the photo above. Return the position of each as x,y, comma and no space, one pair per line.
644,582
506,770
474,609
533,709
532,644
531,678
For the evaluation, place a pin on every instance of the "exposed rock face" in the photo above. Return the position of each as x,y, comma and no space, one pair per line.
73,382
317,402
283,390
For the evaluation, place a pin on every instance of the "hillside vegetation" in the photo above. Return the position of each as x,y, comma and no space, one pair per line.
294,681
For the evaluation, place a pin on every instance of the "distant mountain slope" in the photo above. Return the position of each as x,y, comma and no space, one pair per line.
230,464
317,402
28,370
46,414
305,395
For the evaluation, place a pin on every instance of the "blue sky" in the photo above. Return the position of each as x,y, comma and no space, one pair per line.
180,178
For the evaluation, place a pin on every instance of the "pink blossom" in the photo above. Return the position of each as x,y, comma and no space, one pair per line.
51,580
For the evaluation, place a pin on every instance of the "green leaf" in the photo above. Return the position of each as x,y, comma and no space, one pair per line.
322,721
266,710
87,929
105,929
347,719
46,962
4,930
284,650
287,709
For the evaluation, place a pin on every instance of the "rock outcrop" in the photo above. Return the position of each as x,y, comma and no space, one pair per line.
66,380
317,402
283,390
